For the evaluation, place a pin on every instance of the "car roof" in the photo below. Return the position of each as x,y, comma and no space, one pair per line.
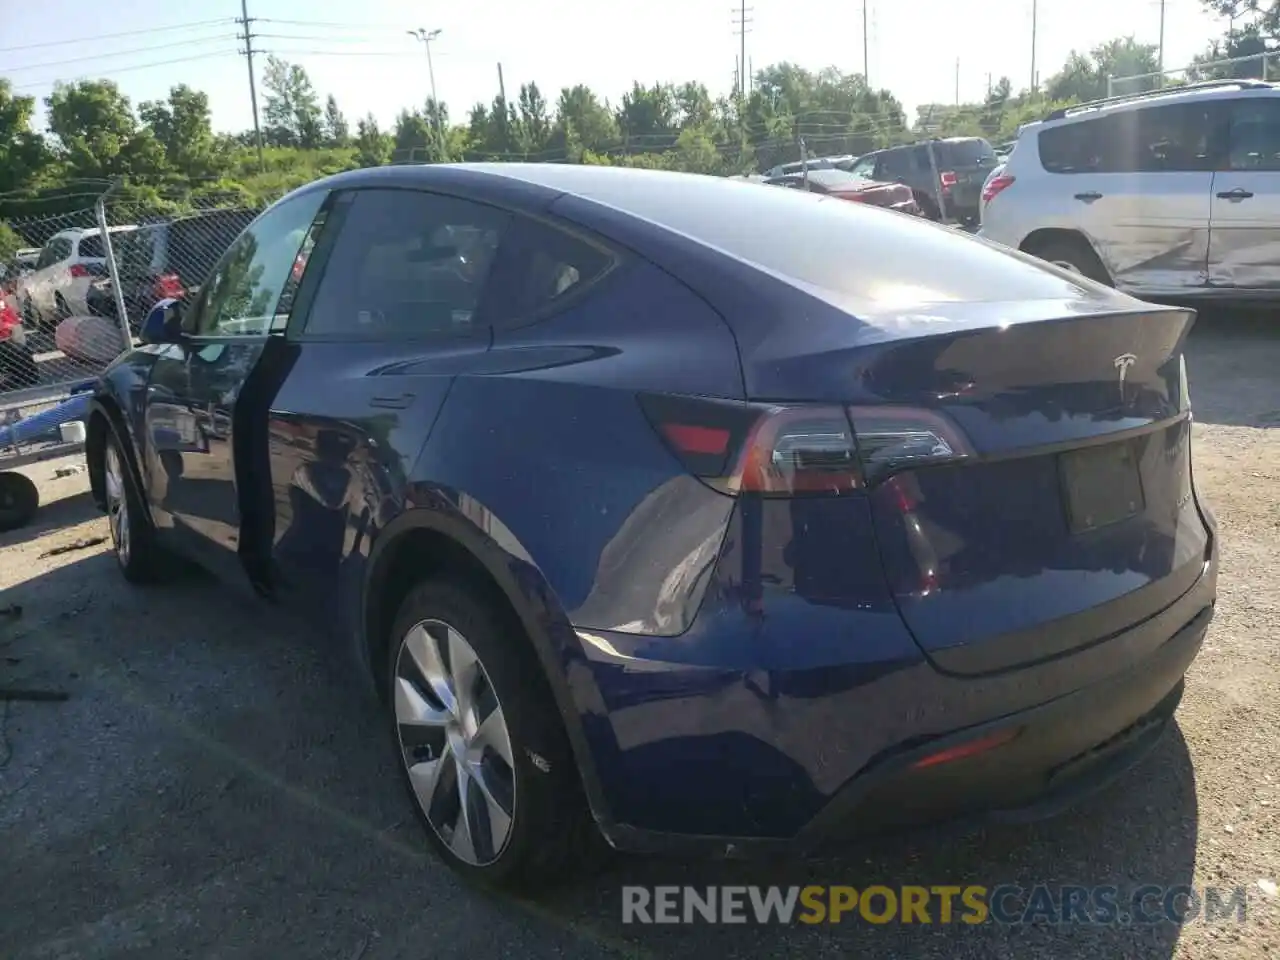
827,177
1224,90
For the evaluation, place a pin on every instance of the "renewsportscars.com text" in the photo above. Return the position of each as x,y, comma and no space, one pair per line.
1008,904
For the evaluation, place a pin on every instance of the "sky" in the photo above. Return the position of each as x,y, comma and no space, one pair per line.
361,52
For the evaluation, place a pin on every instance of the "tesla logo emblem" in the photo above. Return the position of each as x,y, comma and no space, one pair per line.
1122,364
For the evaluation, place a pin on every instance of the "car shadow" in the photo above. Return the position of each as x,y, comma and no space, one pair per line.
1141,830
1233,357
222,750
65,512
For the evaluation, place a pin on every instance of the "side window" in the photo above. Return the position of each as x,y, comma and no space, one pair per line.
866,167
407,264
47,256
540,266
920,160
1174,138
246,293
893,165
1253,141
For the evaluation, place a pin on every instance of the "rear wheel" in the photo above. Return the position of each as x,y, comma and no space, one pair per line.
484,755
132,535
19,500
1073,255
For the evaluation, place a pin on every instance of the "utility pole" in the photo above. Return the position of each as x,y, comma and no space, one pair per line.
1161,54
426,36
957,81
741,24
248,37
866,47
1033,45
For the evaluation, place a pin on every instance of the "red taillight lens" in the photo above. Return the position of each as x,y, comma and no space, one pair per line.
948,179
994,186
799,450
168,285
79,271
9,319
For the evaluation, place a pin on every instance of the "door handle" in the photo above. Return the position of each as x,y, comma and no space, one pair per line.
1089,197
1239,193
398,402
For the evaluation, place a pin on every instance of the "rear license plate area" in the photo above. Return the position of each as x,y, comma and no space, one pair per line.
1101,486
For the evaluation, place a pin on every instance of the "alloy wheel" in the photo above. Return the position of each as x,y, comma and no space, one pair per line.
117,503
454,742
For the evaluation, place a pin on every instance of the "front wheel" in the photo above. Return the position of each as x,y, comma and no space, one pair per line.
484,755
132,536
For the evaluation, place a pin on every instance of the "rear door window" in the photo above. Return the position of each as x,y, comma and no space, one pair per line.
1254,136
407,264
90,247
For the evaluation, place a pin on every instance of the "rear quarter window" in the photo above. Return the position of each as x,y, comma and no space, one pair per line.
968,153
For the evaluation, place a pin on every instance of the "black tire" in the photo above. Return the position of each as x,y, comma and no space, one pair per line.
551,834
133,538
19,501
1074,255
60,309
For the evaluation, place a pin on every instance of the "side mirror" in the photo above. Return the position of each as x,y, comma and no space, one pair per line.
163,323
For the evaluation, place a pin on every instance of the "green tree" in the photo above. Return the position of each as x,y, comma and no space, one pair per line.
372,147
535,125
96,134
583,122
290,106
336,130
1124,60
23,155
183,127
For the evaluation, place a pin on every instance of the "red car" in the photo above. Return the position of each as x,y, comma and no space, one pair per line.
847,186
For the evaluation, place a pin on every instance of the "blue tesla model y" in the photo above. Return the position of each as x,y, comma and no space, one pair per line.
681,513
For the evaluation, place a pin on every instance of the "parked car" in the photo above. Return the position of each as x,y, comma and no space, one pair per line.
17,361
813,163
1169,195
166,259
670,509
962,165
56,288
848,186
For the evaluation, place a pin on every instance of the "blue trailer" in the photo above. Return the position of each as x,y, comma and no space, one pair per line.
32,438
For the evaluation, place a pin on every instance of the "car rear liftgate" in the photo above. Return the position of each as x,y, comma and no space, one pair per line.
1060,510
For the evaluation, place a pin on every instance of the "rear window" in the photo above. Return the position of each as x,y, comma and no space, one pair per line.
90,246
831,244
967,153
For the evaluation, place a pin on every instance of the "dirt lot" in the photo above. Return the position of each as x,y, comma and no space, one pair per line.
218,783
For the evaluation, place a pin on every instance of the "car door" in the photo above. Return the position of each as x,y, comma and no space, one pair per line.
194,419
400,310
1244,232
40,286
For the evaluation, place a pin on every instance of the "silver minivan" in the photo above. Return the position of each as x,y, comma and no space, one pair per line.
1167,194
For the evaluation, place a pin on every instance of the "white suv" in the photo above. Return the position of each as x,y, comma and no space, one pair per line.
68,263
1172,194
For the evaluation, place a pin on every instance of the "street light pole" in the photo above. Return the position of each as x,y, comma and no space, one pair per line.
426,36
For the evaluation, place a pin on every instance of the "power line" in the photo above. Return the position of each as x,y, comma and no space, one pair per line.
41,84
118,53
332,25
113,36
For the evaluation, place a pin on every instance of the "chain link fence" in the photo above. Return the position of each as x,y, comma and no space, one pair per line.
76,295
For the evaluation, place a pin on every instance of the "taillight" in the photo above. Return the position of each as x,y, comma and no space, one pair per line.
995,185
9,319
79,271
801,449
948,179
168,286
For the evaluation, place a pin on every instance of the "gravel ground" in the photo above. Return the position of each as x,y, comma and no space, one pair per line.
218,785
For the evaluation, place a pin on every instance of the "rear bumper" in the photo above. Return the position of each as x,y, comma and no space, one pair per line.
792,763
